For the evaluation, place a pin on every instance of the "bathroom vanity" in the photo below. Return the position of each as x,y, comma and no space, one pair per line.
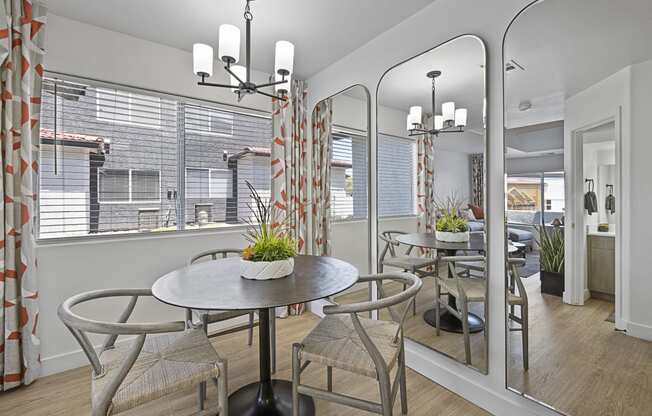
601,250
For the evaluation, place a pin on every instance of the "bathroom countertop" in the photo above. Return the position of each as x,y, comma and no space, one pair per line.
593,230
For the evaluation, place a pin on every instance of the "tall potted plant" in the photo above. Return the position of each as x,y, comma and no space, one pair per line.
551,244
270,253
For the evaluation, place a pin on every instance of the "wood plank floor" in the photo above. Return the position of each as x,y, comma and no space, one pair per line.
578,363
68,393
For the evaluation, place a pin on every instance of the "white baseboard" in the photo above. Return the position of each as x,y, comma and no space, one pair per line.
639,331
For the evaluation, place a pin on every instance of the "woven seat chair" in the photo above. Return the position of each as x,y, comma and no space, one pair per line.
517,296
162,359
465,289
406,262
363,346
209,317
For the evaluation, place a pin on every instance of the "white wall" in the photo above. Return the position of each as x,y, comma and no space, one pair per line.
427,29
552,163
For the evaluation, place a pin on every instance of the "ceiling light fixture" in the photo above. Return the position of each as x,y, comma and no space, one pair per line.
451,120
229,53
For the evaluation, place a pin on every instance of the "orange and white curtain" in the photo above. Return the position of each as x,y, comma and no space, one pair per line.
289,187
21,72
322,120
426,215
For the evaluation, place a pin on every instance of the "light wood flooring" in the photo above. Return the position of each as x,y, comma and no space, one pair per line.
578,363
418,330
68,393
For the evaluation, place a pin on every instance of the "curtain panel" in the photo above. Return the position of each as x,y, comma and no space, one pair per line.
425,183
289,164
477,179
322,132
21,72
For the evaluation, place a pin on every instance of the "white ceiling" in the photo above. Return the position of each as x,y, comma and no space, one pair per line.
461,62
322,31
567,46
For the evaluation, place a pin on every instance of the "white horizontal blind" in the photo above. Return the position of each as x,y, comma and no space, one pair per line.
348,177
125,160
396,176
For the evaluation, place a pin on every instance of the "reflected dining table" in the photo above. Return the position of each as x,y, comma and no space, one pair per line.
448,322
217,285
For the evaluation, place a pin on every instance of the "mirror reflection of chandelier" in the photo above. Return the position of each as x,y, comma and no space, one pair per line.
451,120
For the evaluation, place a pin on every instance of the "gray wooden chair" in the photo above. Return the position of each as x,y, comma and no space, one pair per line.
517,296
411,264
209,317
465,289
162,359
363,346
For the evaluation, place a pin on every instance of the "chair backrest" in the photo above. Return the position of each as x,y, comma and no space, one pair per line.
390,243
452,261
515,278
412,286
215,254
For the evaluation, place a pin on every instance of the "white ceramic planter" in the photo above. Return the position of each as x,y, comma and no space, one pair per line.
452,237
266,270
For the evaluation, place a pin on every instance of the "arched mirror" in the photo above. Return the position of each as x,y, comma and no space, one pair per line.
347,115
578,94
431,194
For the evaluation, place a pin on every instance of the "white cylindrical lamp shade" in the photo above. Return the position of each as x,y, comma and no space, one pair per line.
439,122
284,58
460,117
229,44
448,111
202,59
241,72
417,112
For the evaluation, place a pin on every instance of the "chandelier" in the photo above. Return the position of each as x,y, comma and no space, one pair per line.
451,120
229,54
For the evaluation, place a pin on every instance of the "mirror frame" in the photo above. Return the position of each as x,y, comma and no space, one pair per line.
369,153
485,148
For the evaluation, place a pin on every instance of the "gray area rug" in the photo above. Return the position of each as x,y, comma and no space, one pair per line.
531,264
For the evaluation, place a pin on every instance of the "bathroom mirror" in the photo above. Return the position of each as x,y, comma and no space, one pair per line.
347,114
431,193
578,94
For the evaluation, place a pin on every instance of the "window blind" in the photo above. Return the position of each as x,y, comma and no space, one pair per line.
396,176
348,177
126,160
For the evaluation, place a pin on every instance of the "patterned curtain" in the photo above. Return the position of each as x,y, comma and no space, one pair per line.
477,179
322,119
289,164
21,72
425,183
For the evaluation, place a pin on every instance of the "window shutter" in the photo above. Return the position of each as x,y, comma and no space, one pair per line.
396,176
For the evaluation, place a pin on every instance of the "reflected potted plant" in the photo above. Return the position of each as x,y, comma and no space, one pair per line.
551,245
451,226
271,251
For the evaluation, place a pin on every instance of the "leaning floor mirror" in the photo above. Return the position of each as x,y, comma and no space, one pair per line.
431,194
578,95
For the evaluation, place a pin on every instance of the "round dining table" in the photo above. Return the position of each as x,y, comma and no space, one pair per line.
447,321
217,285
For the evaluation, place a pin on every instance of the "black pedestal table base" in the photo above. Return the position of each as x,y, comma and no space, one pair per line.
449,323
270,399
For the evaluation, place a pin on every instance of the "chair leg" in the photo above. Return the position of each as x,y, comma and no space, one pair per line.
465,330
222,388
250,340
525,331
296,379
437,311
272,338
385,394
329,378
403,385
204,323
202,395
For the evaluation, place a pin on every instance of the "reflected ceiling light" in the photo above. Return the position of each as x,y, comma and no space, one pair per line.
451,120
229,53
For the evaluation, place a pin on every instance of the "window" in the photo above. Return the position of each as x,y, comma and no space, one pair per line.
348,177
129,185
396,176
128,107
535,199
138,161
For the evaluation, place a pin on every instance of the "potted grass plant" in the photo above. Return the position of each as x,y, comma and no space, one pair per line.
451,226
551,245
270,253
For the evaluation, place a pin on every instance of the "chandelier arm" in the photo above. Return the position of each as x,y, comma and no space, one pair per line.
457,130
233,74
278,97
212,84
269,84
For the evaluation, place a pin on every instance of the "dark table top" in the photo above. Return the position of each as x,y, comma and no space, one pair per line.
428,240
217,284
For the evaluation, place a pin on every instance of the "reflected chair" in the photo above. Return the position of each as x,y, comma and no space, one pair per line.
466,290
517,296
162,359
362,346
406,262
